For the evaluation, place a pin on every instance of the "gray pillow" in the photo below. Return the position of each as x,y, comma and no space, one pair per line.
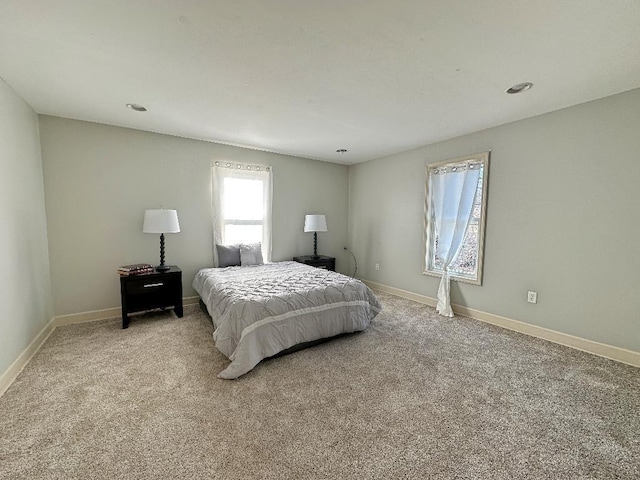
251,254
228,255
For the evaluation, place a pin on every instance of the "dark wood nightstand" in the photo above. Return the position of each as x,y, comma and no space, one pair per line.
151,290
322,261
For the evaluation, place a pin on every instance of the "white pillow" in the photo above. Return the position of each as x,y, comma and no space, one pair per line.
251,254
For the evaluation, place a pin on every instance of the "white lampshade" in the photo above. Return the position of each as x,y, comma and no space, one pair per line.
160,221
315,223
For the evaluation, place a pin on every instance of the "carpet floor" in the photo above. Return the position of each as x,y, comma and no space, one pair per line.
415,396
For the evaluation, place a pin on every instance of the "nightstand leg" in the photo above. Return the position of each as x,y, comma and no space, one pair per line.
178,310
125,317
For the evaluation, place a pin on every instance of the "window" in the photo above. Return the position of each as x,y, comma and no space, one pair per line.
241,197
243,210
455,201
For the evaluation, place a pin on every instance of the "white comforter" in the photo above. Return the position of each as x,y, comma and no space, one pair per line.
261,310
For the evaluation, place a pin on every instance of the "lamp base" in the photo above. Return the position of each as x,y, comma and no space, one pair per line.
162,267
315,245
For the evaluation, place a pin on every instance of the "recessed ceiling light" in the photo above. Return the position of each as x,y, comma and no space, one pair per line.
341,151
520,87
136,107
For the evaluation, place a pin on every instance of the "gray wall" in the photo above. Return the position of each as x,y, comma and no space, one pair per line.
25,291
99,180
563,220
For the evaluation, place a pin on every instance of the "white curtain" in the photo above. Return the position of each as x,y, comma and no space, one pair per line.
452,192
241,204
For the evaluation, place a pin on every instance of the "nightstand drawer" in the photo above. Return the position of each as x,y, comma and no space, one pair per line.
325,265
144,286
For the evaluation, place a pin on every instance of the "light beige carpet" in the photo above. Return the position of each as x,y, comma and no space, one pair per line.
415,396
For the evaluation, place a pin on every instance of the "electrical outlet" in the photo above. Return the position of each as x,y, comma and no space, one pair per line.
377,266
532,297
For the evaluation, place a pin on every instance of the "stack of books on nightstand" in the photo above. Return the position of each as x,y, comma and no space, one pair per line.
135,269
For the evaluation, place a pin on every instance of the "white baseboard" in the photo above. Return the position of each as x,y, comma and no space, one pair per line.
190,300
104,314
8,377
596,348
82,317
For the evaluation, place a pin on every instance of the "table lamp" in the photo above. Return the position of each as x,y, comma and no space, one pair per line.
161,221
315,224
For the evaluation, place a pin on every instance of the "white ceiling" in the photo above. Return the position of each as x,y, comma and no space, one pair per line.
307,77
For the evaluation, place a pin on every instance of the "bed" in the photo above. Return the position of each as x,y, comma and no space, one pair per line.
259,311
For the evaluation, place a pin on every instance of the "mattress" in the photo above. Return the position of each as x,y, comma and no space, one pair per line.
259,311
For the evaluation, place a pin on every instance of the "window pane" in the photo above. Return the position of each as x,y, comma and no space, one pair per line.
243,199
466,264
242,234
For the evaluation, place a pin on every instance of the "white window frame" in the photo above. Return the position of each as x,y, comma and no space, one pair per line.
429,234
223,170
